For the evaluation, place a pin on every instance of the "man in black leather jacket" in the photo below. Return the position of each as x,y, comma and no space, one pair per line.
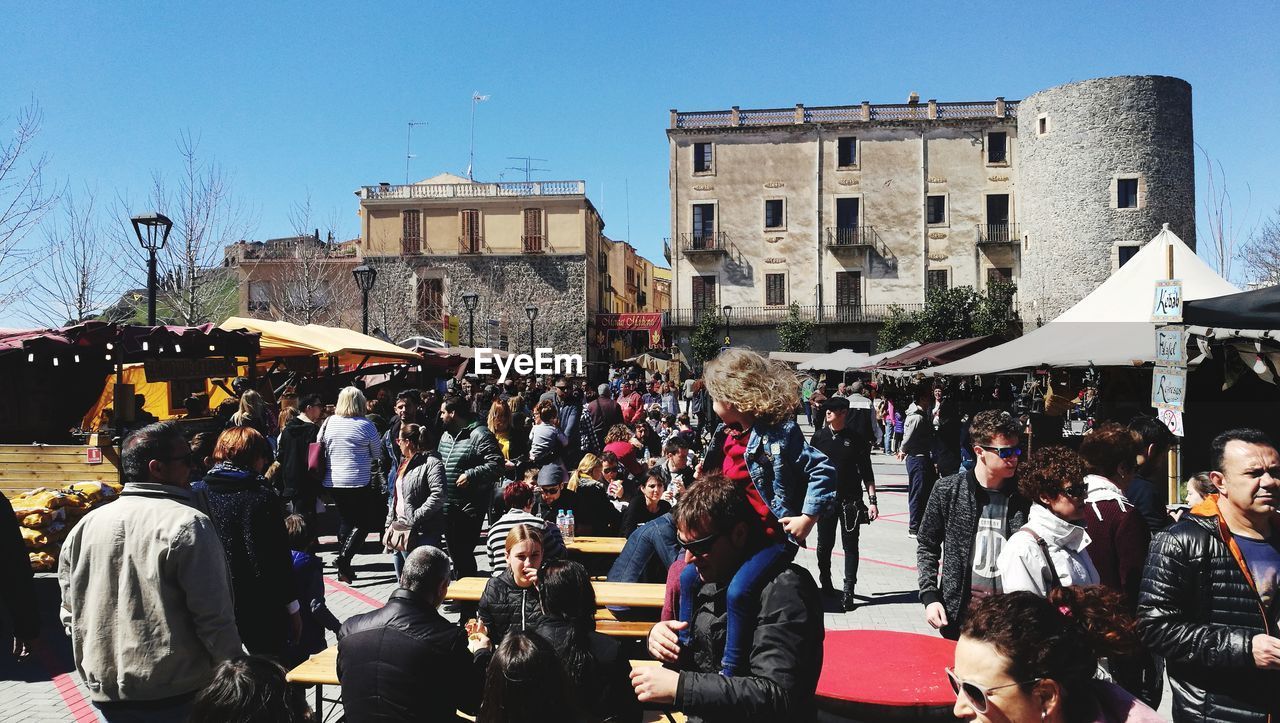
786,647
1210,594
386,657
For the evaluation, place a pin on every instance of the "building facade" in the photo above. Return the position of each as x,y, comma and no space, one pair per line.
847,211
299,279
533,247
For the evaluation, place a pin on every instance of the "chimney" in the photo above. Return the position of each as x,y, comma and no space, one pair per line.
913,98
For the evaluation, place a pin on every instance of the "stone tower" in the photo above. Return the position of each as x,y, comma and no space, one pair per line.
1084,148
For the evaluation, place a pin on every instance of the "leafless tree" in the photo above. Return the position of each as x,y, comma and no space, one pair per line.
25,198
1262,252
391,308
1222,247
193,287
307,276
75,278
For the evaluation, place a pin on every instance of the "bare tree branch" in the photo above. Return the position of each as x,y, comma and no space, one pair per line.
1221,249
193,285
1262,252
24,200
75,279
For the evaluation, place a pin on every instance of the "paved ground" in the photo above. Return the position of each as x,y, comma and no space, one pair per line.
48,688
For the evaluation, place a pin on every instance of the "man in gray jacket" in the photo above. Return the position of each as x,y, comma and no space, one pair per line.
969,516
146,595
917,443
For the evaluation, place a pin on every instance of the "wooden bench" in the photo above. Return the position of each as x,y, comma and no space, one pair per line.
627,594
24,467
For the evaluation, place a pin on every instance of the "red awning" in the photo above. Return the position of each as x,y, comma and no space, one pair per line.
938,352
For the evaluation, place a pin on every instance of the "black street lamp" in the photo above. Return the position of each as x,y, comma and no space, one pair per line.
532,312
728,310
153,231
365,276
471,300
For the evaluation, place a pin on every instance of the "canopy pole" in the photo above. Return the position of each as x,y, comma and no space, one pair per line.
1173,463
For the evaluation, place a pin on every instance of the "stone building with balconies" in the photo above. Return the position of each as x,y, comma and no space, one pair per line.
847,211
518,245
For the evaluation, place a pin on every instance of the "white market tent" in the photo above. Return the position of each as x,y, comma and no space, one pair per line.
841,360
1109,327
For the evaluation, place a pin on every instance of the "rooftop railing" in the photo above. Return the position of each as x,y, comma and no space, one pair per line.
865,112
516,189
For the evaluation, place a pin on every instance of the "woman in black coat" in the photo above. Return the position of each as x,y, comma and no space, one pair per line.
595,664
249,518
510,600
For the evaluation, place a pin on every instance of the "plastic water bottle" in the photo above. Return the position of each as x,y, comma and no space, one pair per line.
562,522
568,523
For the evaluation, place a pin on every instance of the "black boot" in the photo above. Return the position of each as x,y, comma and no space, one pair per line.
824,580
348,551
848,601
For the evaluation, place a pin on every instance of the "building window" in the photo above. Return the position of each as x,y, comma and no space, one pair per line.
848,295
775,289
470,240
704,292
1124,253
774,213
411,237
1042,124
846,152
430,300
704,225
938,279
999,274
997,148
1126,193
533,241
703,158
259,296
936,210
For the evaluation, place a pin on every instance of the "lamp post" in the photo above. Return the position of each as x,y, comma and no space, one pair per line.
532,312
365,276
153,231
728,310
470,300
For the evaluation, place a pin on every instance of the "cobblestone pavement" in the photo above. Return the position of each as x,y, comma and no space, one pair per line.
49,689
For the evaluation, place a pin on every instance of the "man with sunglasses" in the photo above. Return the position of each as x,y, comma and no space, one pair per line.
968,517
712,526
1210,598
146,595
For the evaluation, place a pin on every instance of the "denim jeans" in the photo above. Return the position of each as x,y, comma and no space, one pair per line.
742,600
397,557
655,539
920,477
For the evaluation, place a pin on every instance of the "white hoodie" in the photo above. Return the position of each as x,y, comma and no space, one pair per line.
1022,564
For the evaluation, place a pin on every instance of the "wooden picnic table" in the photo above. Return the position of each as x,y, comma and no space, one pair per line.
628,594
597,545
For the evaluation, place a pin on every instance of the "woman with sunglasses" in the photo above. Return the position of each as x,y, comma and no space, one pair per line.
1022,658
1049,551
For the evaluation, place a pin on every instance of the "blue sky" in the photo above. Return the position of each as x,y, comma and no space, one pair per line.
299,100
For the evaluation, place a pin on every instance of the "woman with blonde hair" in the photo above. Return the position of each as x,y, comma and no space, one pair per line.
252,413
351,446
588,472
510,600
514,443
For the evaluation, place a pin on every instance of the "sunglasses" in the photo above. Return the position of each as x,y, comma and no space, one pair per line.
698,547
978,696
1004,452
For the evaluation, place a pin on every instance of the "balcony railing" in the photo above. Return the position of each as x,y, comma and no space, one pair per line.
998,233
472,245
533,244
519,189
850,236
703,242
773,315
865,112
410,244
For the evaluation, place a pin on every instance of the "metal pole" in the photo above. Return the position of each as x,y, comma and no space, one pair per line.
471,325
364,294
151,288
531,337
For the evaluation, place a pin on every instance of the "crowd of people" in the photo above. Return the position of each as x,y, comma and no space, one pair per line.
1070,590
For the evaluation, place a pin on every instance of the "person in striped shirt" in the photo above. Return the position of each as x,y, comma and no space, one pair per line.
519,499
